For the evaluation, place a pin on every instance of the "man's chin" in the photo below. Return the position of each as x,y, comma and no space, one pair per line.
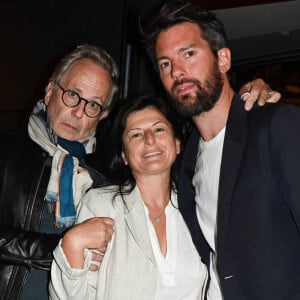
68,135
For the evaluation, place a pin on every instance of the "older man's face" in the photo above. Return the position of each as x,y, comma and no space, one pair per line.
91,82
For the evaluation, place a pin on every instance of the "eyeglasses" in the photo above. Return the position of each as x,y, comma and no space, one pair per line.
71,99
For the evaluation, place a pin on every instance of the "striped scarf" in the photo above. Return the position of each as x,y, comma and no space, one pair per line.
68,180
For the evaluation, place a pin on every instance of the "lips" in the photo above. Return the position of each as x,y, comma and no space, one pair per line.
70,127
184,88
151,154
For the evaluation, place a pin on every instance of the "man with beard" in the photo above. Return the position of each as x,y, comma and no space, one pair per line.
239,189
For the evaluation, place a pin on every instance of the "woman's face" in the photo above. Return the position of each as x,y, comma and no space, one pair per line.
150,146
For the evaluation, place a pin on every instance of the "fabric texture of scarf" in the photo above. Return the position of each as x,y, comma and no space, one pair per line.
68,180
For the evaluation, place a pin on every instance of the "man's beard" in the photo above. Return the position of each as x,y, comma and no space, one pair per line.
205,97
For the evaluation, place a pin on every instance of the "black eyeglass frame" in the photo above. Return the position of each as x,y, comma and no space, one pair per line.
102,109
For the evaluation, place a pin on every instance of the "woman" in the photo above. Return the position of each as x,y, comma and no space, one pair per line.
150,254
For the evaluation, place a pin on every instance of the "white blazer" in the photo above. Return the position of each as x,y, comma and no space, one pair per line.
128,270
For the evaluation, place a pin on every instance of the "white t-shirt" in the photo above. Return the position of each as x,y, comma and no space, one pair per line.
206,183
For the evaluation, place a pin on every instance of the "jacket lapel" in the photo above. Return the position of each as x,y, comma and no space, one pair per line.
136,221
186,196
233,151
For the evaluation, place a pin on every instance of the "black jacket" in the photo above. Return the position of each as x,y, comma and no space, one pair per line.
258,220
24,176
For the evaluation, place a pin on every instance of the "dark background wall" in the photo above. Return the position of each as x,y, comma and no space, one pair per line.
34,34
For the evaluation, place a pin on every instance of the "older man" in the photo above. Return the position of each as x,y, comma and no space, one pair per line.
44,173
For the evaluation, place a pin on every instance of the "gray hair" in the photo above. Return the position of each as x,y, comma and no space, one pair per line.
98,56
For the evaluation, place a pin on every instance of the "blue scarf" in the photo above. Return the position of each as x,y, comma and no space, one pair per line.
70,178
76,149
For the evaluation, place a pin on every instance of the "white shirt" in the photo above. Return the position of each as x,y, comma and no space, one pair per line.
206,183
180,272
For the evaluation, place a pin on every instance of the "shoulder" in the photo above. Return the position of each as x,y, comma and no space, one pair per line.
285,111
15,136
100,199
279,116
275,125
18,148
103,193
270,114
284,125
15,141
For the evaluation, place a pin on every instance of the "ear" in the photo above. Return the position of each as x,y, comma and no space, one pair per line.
124,158
49,92
103,115
224,60
177,145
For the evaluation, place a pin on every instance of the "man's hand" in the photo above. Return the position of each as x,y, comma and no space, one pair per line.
258,90
93,234
97,257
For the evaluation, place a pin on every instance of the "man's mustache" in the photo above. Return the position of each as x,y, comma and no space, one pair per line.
179,82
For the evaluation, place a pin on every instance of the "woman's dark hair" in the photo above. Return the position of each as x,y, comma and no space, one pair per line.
120,174
176,12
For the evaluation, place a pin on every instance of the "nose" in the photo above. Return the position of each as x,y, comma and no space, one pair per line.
149,138
78,111
177,70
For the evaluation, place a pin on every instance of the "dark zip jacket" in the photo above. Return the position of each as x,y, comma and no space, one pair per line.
24,176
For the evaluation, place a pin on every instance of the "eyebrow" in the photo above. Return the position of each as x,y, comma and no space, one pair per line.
140,128
186,47
161,58
180,50
80,91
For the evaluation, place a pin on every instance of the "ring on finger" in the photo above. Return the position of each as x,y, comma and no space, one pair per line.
245,94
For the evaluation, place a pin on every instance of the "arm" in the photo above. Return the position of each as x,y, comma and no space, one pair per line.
285,156
71,276
93,233
19,246
258,90
30,249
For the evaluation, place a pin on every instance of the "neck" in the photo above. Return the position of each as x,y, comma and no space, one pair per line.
156,204
210,123
155,194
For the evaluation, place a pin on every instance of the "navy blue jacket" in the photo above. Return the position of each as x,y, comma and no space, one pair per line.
258,220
